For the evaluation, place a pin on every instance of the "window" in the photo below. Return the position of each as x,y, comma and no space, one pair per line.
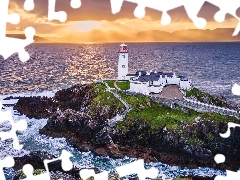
123,55
123,66
151,83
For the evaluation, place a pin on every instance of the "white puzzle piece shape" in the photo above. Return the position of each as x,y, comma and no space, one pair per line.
9,46
192,9
5,163
18,126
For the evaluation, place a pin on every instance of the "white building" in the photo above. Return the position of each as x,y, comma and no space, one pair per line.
147,82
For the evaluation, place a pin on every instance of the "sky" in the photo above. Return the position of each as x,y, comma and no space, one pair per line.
96,14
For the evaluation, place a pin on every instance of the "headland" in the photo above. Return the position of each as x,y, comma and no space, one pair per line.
153,129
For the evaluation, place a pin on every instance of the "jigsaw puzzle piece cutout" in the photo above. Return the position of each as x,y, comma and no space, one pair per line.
229,6
53,15
66,162
192,8
87,173
65,158
66,166
236,89
13,18
9,46
226,7
18,126
29,5
163,6
60,15
28,171
4,115
137,167
230,125
116,5
5,17
5,163
139,12
75,4
219,158
230,176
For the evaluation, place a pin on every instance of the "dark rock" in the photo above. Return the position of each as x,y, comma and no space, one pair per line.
34,107
78,98
69,117
36,159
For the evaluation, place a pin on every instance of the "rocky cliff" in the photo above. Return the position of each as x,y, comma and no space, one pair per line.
79,114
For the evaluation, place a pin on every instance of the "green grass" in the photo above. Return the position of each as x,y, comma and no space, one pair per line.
155,114
105,99
110,83
194,92
218,117
125,85
158,115
200,96
194,139
35,172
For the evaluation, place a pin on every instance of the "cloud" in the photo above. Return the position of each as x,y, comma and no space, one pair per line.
96,14
40,23
147,23
97,10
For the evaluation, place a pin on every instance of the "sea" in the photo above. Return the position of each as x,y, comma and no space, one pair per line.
213,67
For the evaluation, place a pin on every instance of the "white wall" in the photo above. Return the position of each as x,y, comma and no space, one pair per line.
153,89
139,88
122,66
185,85
156,83
162,81
128,77
174,80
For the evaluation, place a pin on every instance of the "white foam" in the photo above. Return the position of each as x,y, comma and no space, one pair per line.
34,141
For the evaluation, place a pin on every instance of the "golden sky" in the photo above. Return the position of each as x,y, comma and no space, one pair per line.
96,14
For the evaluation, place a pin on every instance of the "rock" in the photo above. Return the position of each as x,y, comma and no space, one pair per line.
35,107
114,151
36,159
77,98
68,116
100,152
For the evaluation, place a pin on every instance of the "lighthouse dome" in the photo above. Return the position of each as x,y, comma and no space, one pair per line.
123,44
123,48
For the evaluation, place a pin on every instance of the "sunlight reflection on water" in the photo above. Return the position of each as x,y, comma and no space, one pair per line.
213,67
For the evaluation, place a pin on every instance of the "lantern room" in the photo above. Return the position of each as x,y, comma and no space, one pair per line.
123,48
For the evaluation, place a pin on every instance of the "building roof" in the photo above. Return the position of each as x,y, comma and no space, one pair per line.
146,78
182,78
142,73
131,75
154,76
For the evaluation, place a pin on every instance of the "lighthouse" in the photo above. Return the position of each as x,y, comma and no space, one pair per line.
123,62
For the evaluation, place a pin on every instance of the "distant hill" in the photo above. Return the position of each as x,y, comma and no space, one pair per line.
194,35
22,36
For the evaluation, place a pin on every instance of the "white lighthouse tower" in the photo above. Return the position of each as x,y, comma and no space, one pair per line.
123,62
